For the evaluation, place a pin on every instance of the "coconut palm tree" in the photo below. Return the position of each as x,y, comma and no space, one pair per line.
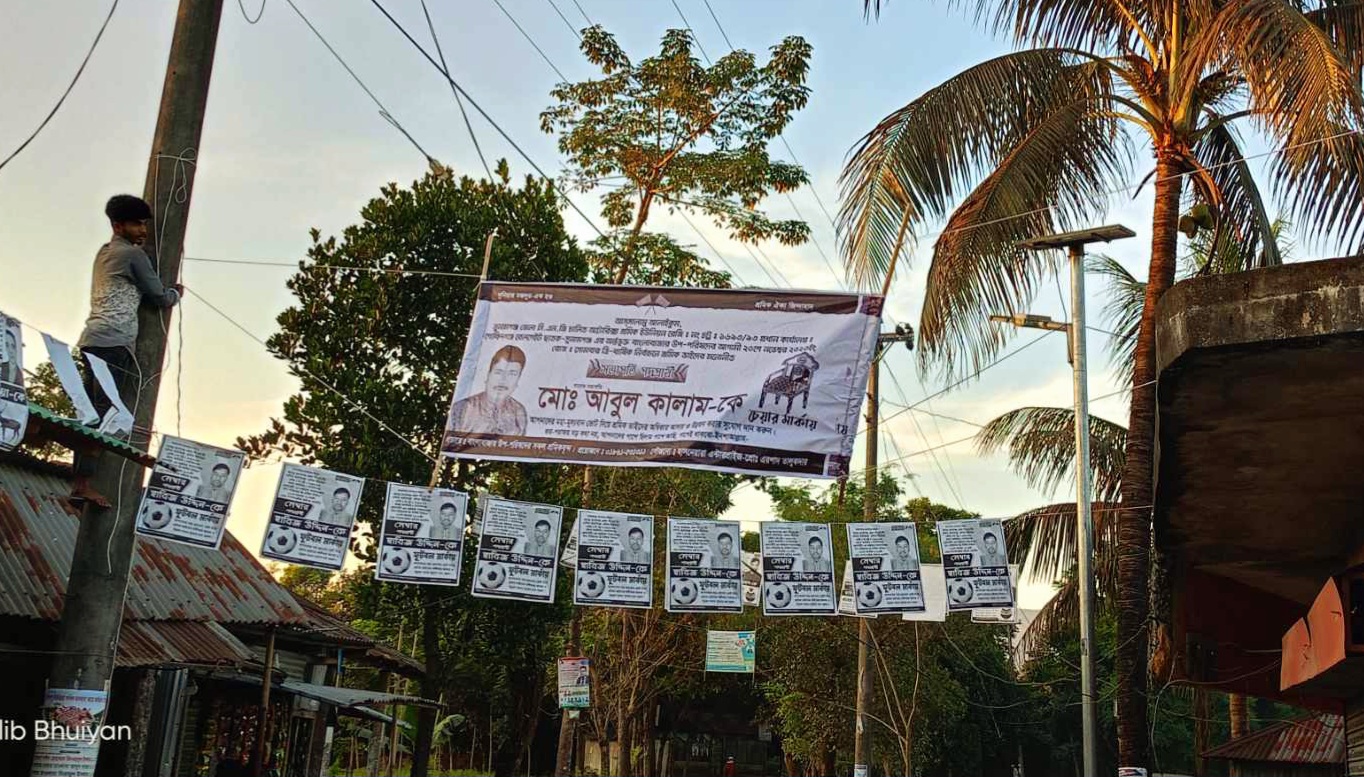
1037,140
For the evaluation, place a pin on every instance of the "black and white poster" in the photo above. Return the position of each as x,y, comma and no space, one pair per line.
615,564
422,537
733,380
312,517
189,493
59,354
935,596
1001,615
885,564
798,569
846,606
975,563
704,567
517,550
13,398
753,578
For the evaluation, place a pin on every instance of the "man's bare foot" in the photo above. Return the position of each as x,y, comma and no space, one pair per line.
82,493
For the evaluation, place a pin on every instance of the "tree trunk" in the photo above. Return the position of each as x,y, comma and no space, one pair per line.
430,682
1134,525
830,759
1201,727
628,255
1238,715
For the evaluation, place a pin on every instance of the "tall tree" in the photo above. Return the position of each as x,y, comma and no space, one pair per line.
669,131
375,339
1034,141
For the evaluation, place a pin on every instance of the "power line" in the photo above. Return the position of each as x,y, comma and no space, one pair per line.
334,267
242,5
383,111
60,100
569,24
720,26
530,40
459,102
694,36
455,84
584,13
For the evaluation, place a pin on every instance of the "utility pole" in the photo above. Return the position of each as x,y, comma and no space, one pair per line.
1074,243
87,637
568,720
862,737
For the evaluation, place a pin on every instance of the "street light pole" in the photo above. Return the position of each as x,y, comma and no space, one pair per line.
1074,243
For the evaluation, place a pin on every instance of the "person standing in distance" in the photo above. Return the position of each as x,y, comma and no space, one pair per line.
123,279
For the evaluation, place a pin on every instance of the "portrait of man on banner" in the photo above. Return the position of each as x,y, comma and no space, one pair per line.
494,410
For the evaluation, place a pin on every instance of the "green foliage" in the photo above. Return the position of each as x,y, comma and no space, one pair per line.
45,388
690,136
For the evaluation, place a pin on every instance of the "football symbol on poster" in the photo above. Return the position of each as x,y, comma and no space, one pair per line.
591,585
492,576
869,595
281,540
779,595
683,591
397,560
961,591
156,515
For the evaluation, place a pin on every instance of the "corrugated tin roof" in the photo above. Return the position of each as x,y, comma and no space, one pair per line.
1318,739
169,581
180,643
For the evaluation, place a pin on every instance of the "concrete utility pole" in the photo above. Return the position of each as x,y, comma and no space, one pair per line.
87,637
862,737
568,720
1074,243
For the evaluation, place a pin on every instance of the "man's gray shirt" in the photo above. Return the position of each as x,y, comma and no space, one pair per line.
123,276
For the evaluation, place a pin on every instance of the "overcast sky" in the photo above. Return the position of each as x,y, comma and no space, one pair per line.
291,142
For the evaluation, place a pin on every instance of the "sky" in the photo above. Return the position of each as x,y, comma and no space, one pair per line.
291,142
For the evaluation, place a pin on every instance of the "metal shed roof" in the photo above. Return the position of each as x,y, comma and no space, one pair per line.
180,643
1319,739
169,581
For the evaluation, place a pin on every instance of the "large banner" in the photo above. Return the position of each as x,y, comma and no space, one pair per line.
798,569
704,566
615,563
422,537
976,564
189,493
13,398
763,382
314,510
517,548
885,565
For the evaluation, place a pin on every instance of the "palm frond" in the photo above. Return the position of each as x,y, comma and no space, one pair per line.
1043,541
1243,238
1061,613
1122,312
1041,445
1093,25
1343,23
1054,179
918,161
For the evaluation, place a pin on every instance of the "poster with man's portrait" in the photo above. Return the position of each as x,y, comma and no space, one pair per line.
312,517
615,560
421,539
518,547
885,566
975,564
13,397
798,572
704,566
189,493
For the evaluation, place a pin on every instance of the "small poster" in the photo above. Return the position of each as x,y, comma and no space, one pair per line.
189,493
517,550
68,732
13,398
1001,615
704,570
569,558
845,594
575,683
798,571
731,651
935,596
59,353
314,511
422,537
885,565
753,578
615,564
976,564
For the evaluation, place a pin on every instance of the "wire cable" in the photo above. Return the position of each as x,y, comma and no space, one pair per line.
69,87
567,23
695,39
333,267
242,5
529,40
463,113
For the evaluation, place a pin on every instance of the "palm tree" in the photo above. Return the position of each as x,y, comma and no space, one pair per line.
1037,140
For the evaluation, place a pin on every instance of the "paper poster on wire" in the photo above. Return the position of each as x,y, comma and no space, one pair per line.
13,398
569,556
575,683
703,566
422,536
846,606
74,723
312,517
517,550
935,596
975,563
189,493
731,651
1010,616
885,564
615,564
798,571
754,381
752,576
